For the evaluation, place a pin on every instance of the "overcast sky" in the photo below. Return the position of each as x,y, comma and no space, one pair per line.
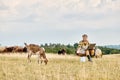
59,21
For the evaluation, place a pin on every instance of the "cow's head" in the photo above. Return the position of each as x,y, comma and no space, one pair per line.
27,46
46,61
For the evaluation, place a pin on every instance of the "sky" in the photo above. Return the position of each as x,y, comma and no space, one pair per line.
59,21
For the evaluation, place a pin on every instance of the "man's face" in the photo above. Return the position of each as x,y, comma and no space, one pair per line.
84,37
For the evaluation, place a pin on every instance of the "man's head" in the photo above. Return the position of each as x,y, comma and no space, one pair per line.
84,36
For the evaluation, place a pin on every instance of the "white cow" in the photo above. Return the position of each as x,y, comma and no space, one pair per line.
98,53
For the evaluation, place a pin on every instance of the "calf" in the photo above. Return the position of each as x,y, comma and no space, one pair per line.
33,49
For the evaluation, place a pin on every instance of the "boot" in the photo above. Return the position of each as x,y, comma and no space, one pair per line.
89,58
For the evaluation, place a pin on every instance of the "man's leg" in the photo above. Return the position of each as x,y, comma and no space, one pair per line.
80,54
88,56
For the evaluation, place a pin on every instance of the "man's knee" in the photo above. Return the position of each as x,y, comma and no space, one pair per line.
87,52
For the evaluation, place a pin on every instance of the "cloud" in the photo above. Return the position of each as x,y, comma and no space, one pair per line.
51,17
49,8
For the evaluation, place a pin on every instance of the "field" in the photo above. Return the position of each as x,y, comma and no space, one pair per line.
69,67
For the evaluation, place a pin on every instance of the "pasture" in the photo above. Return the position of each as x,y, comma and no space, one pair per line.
59,67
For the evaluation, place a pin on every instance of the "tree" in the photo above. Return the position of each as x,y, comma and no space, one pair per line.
76,45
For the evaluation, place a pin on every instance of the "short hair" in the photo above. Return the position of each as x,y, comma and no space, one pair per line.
84,35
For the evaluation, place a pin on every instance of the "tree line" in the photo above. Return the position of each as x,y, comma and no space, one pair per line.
70,49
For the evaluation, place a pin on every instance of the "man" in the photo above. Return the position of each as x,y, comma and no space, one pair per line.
83,48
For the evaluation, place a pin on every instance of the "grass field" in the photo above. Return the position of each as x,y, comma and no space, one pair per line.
69,67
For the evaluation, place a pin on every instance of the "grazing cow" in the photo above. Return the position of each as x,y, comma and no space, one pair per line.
62,51
33,49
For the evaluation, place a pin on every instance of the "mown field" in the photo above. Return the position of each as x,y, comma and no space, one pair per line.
69,67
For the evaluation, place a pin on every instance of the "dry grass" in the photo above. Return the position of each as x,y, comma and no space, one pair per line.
15,67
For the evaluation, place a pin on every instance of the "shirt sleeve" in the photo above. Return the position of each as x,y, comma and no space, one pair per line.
80,44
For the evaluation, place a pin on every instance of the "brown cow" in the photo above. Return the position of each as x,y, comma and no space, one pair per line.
17,49
13,49
2,49
34,49
9,49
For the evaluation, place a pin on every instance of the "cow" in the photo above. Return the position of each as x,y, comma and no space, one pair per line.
18,49
12,49
62,51
34,49
9,49
2,49
98,53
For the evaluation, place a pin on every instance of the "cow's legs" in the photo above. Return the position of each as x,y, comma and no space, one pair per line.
29,56
39,59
